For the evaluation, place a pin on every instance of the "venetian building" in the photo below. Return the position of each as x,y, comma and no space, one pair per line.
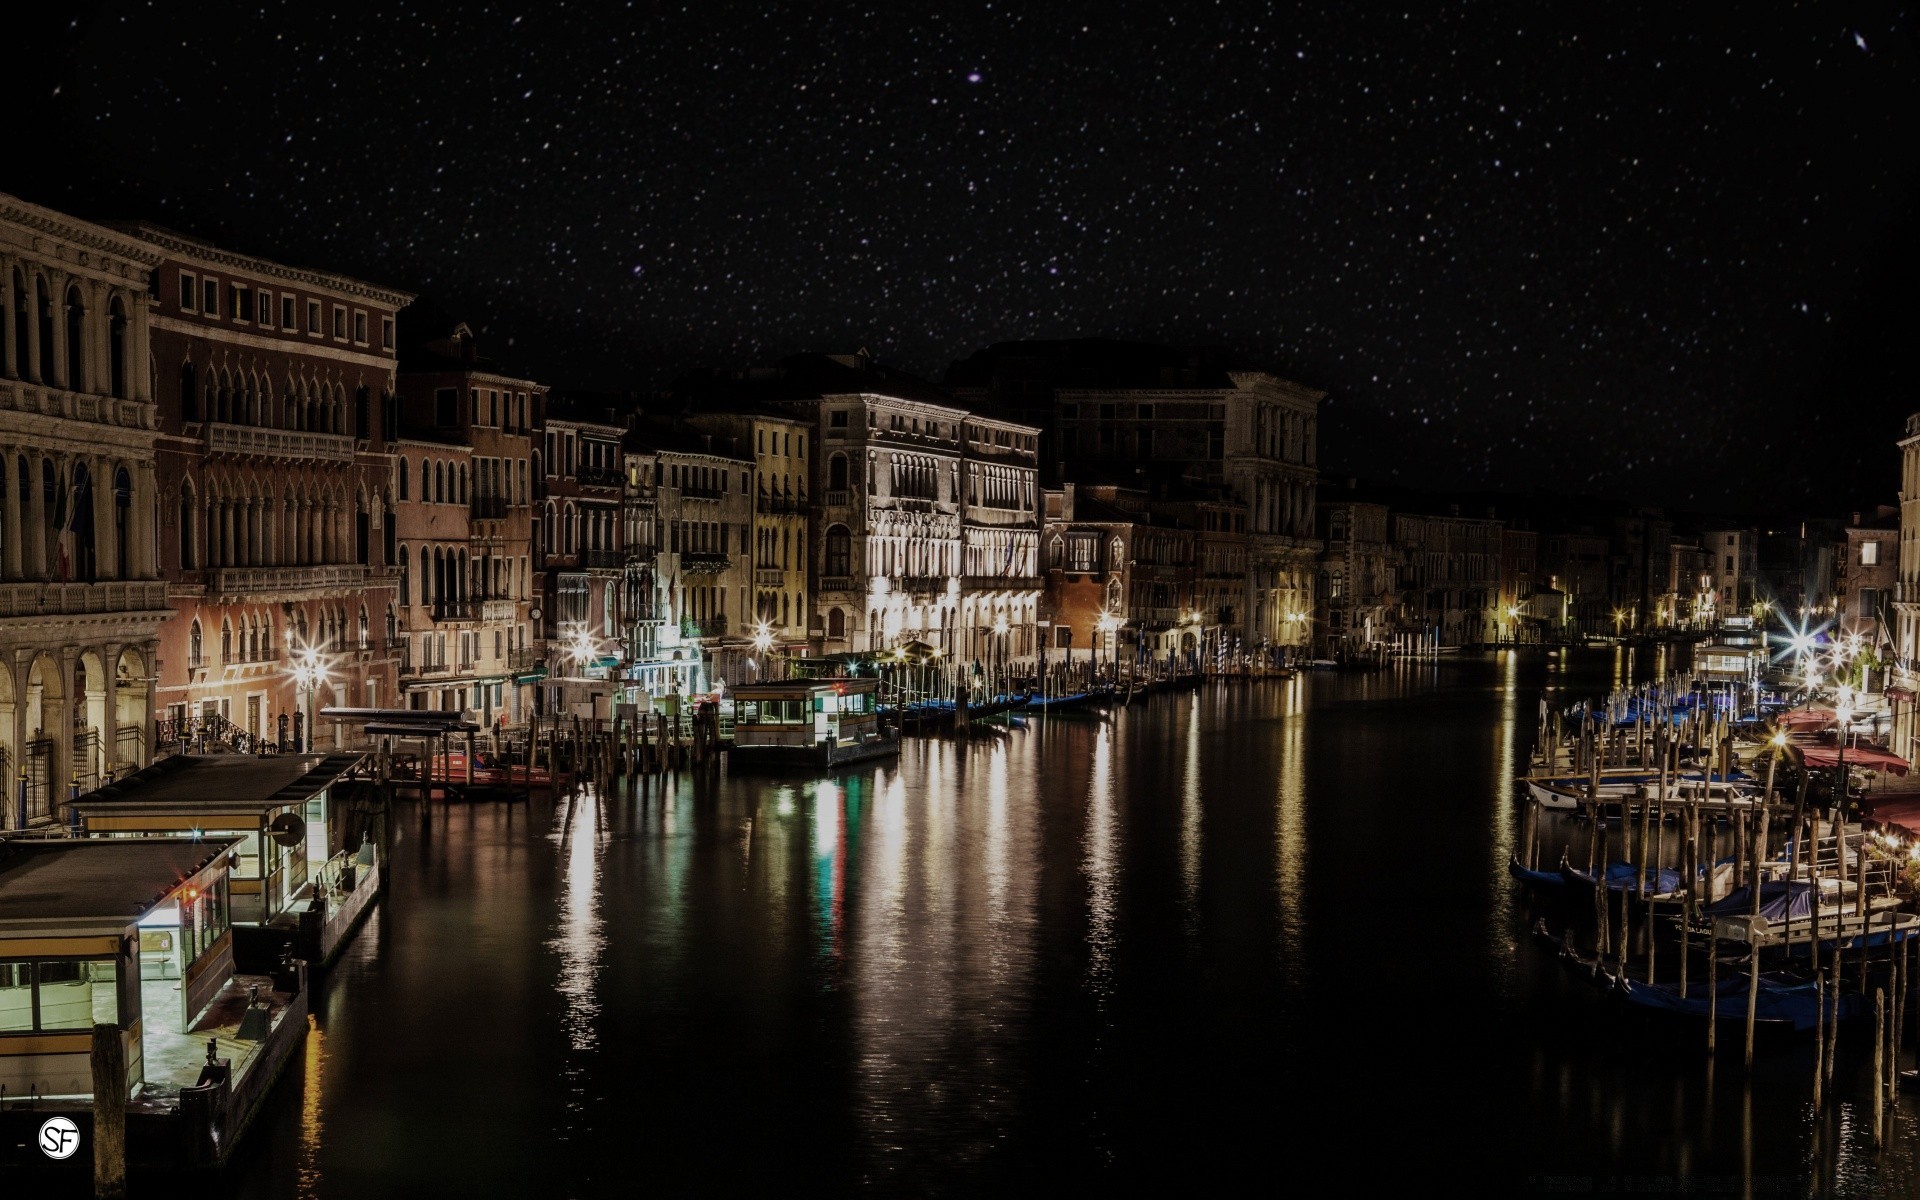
275,399
81,597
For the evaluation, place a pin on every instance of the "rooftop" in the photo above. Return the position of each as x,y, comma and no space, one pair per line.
92,878
219,782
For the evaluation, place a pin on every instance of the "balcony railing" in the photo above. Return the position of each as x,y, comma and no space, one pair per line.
252,441
524,659
253,581
771,577
700,493
702,563
712,627
496,611
836,583
455,610
782,504
602,558
27,599
600,476
921,584
837,498
488,508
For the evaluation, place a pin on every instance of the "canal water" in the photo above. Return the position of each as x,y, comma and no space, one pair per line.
1261,936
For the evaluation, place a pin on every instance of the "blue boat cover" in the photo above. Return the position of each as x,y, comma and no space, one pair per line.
1780,900
1624,877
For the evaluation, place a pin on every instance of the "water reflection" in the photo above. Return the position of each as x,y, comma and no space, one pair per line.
1506,766
1290,831
1101,864
1190,819
580,939
312,1112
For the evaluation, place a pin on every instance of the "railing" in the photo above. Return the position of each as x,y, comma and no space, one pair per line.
837,498
836,583
235,581
602,558
209,728
487,507
694,492
455,610
524,659
703,563
28,599
768,576
496,610
782,504
921,584
278,443
600,476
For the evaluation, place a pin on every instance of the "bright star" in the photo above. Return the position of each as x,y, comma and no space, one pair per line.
1859,41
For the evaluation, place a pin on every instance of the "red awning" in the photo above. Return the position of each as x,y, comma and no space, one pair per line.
1805,718
1827,758
1899,693
1902,814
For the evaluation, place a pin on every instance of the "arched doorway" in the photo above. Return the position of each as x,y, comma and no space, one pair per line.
130,713
46,697
9,753
91,731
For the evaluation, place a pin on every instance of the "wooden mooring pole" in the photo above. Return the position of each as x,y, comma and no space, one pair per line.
109,1111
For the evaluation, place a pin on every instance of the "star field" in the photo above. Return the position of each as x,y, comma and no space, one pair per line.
1659,254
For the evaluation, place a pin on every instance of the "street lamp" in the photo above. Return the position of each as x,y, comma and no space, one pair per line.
762,640
309,673
1107,624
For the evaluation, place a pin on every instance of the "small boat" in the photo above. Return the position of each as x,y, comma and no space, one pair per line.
1056,703
1543,883
1661,883
1320,664
1782,1002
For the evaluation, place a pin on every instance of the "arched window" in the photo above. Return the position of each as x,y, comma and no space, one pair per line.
122,510
405,470
439,483
567,530
226,642
117,334
836,623
188,560
364,628
839,551
22,328
44,299
194,658
406,582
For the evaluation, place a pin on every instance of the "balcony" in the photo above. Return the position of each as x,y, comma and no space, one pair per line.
524,660
248,441
712,627
999,583
25,396
74,599
603,559
455,610
703,563
700,493
773,505
922,585
293,582
487,508
496,612
600,477
836,583
837,498
768,577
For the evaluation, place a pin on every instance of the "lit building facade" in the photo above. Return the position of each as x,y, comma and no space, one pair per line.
275,410
482,422
81,595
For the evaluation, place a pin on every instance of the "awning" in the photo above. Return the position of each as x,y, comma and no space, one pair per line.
1899,693
1867,758
1806,718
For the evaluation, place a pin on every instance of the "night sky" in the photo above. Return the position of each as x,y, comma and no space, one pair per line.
1667,255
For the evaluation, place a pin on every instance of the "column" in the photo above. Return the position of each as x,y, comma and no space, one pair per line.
139,371
36,546
61,769
61,373
9,352
10,524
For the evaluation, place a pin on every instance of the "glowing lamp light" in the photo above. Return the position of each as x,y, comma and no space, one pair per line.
1000,625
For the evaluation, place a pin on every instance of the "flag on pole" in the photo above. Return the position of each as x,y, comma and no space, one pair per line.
66,509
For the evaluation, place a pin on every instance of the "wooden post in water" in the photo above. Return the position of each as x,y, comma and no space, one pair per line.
1879,1074
1819,1025
109,1111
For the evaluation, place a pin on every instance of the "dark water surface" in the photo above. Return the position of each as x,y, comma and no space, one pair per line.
1261,936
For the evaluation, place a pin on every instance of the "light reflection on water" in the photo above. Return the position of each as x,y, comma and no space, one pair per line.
580,939
1076,953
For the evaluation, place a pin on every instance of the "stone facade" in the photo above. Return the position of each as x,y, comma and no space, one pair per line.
81,595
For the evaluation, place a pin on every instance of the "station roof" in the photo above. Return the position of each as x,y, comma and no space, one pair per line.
793,687
91,879
219,783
